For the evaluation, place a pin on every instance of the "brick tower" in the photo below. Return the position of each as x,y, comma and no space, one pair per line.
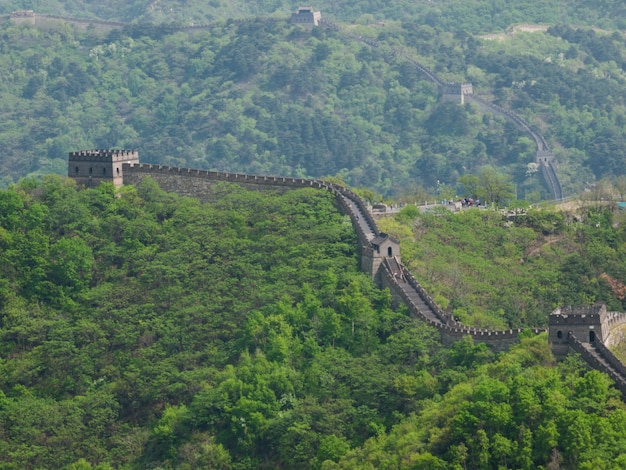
91,167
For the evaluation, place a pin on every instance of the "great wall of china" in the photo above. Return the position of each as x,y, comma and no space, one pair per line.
590,331
379,253
459,92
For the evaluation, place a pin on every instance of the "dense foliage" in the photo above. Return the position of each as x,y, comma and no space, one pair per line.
151,331
452,15
497,271
266,97
144,330
147,328
512,413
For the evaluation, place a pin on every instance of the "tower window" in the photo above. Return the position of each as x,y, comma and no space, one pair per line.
104,171
118,171
90,170
76,170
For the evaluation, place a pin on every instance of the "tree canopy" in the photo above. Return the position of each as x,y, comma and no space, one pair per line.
140,329
265,97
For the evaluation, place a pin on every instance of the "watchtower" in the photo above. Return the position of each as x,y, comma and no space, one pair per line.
305,16
544,157
587,323
91,167
380,248
456,92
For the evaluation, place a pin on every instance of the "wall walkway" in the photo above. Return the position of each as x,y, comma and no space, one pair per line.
543,151
405,289
393,275
598,356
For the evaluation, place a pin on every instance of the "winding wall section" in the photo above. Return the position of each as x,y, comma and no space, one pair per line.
390,273
544,157
599,357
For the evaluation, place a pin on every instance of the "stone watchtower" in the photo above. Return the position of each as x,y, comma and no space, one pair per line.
305,16
91,167
587,323
455,92
380,248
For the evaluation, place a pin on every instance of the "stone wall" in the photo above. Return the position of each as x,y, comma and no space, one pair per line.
199,184
615,320
449,329
596,361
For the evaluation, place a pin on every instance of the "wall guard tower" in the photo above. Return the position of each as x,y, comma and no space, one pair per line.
306,16
91,167
382,247
456,92
589,324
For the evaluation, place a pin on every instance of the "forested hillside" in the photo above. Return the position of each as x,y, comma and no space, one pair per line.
267,97
151,331
139,329
469,15
499,272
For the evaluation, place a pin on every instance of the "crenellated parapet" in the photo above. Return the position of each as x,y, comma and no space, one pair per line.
599,357
405,289
591,324
92,167
104,155
580,314
199,183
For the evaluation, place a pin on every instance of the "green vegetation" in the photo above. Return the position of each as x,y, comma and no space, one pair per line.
512,413
267,97
145,330
498,272
152,331
468,15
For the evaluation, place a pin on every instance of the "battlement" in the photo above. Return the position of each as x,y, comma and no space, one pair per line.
92,167
305,16
578,315
104,155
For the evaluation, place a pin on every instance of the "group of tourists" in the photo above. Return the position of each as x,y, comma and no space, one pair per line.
468,202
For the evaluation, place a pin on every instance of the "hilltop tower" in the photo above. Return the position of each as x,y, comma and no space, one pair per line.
305,16
380,248
587,323
455,92
91,167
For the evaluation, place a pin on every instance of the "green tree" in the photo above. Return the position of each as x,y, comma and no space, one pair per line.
494,186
